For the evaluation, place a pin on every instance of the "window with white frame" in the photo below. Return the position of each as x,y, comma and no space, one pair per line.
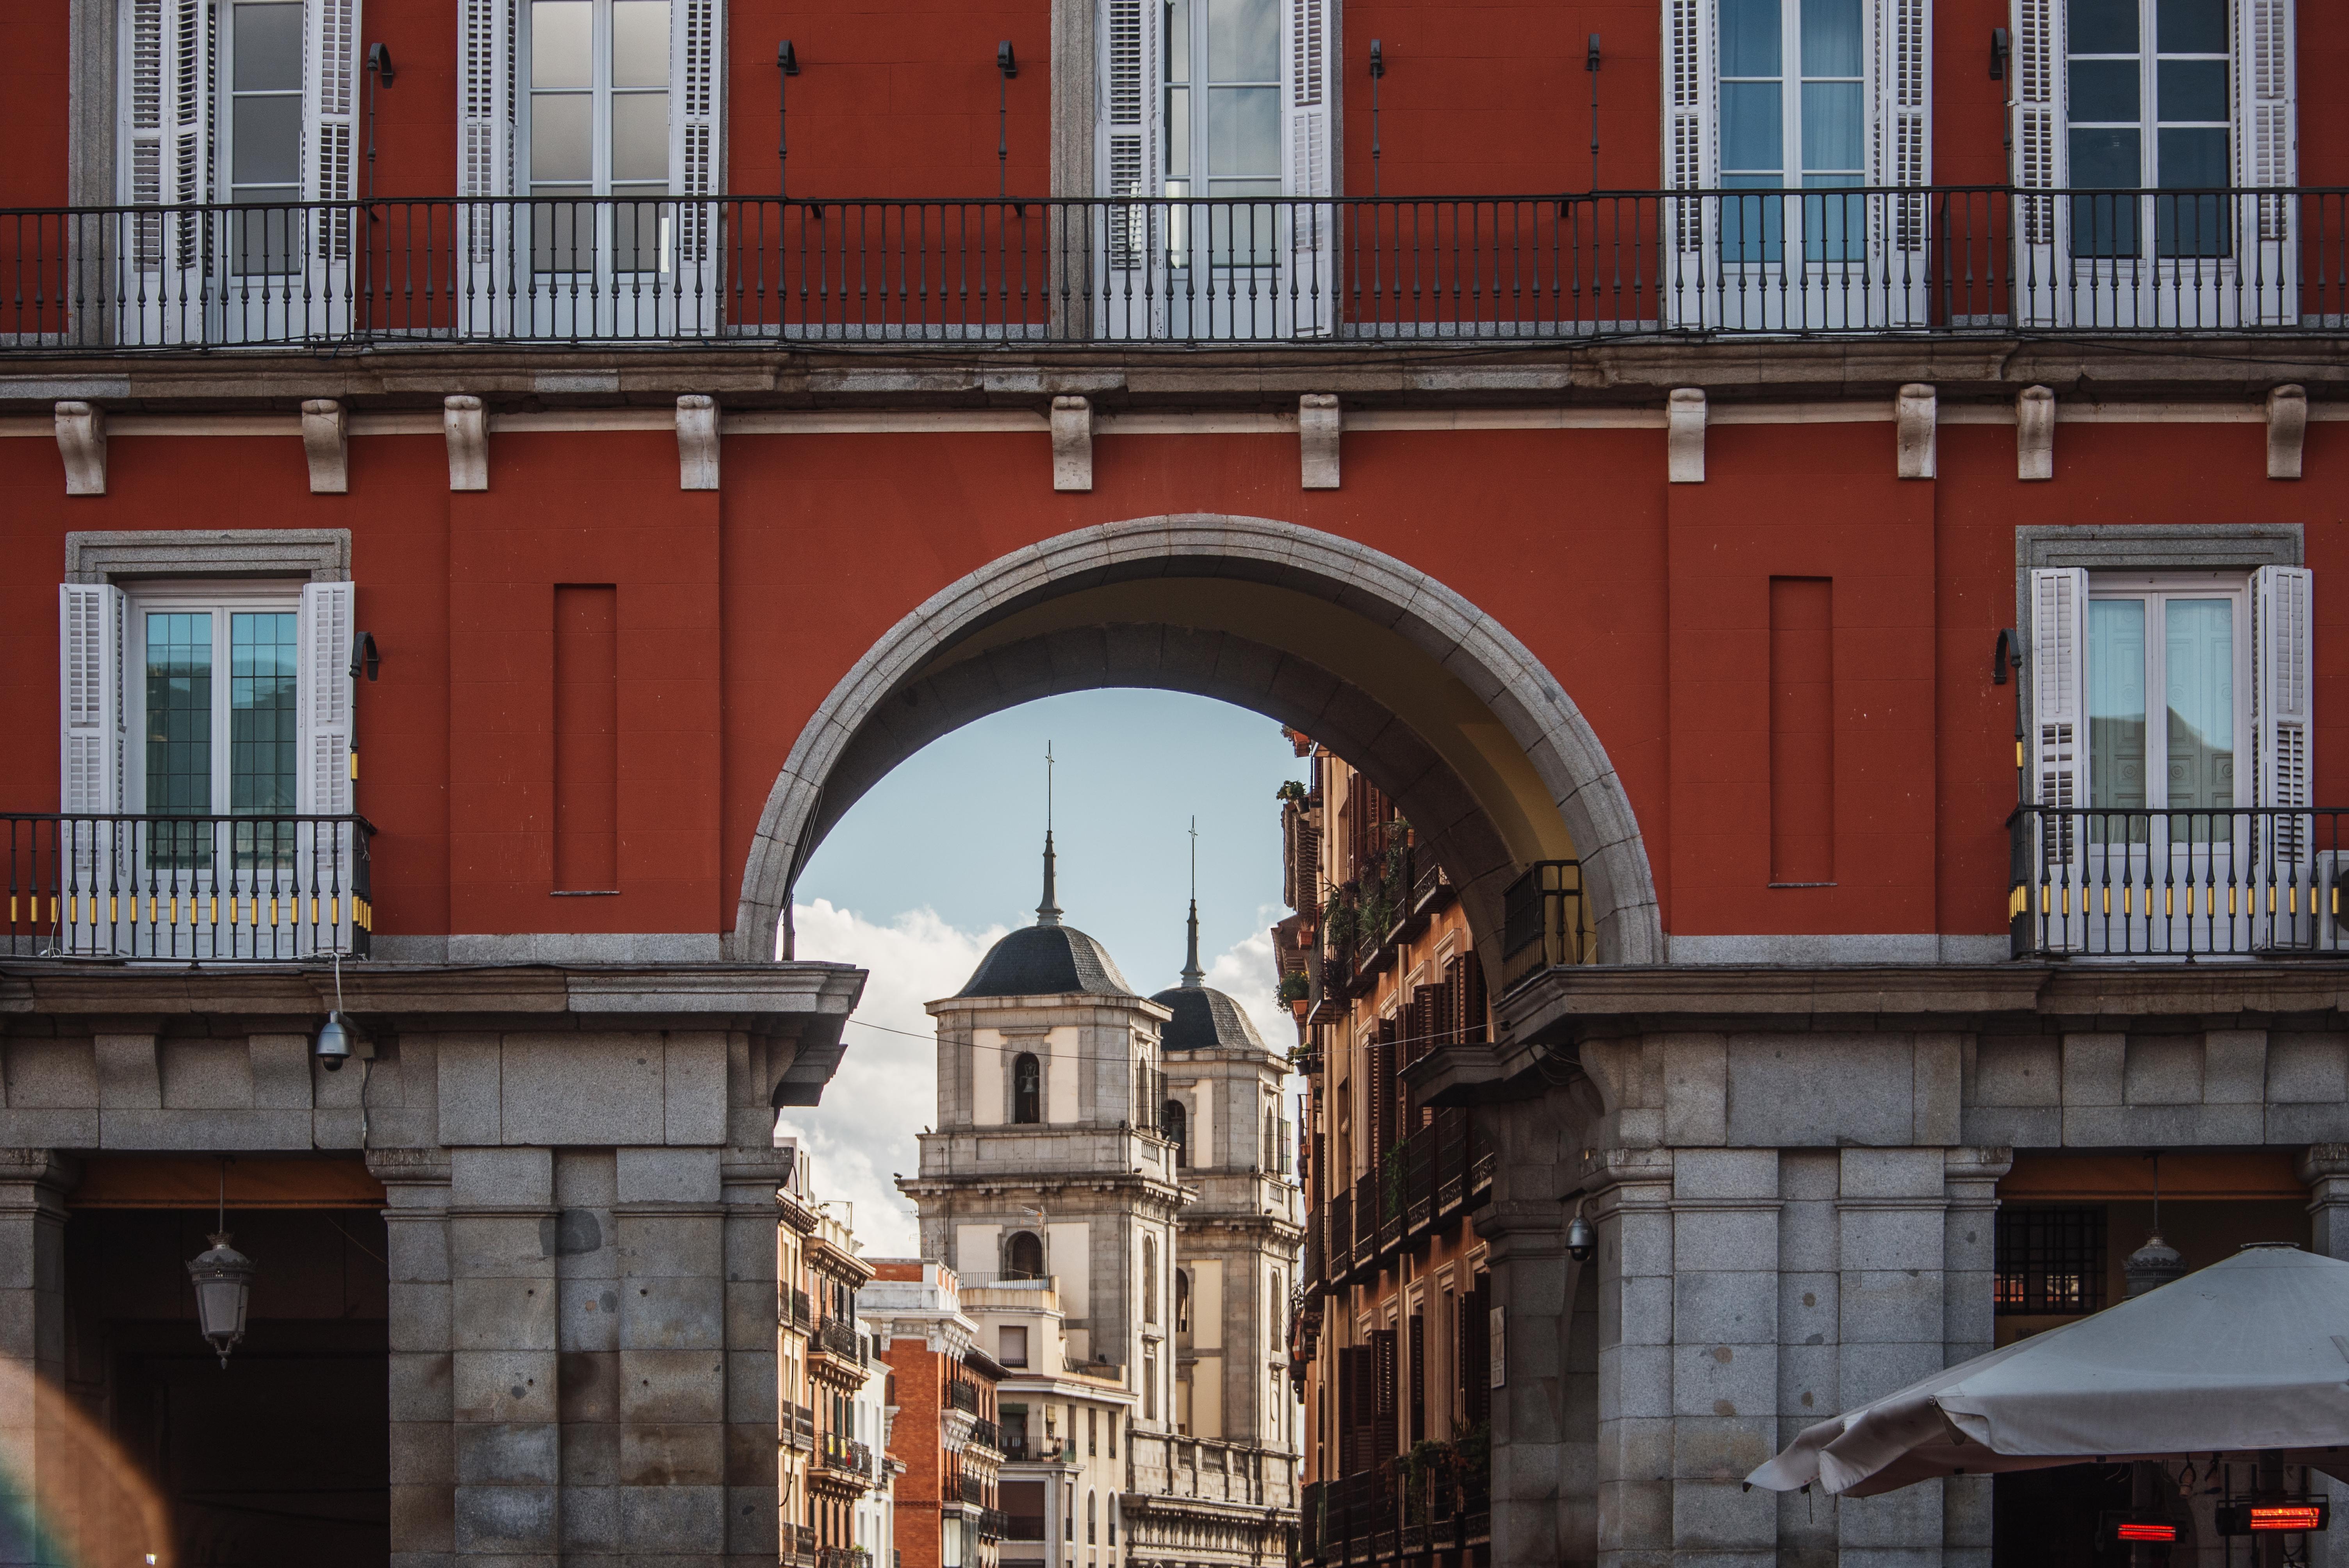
198,698
2164,659
252,102
2154,96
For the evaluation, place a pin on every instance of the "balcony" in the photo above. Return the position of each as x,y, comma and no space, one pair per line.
1541,920
763,272
836,1337
987,1435
796,1424
1431,1177
962,1395
2180,884
845,1456
842,1557
209,890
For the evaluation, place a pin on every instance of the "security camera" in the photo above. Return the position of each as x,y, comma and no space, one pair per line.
1580,1242
336,1038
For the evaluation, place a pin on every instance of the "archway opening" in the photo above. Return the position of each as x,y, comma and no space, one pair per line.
1435,703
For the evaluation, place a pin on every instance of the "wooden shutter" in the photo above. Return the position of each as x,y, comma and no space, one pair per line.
1689,147
1418,1428
2037,72
1385,1431
2267,140
696,153
485,116
1904,99
324,786
1306,169
2059,614
1472,1008
2282,679
91,628
330,102
1130,123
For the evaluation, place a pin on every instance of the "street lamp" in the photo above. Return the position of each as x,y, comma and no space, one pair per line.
224,1279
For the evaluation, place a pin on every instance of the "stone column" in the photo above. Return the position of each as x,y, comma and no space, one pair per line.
1724,1352
502,1340
423,1455
33,1184
748,1179
1969,1325
1892,1253
1809,1350
1627,1200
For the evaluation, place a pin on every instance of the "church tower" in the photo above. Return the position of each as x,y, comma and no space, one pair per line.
1046,1161
1237,1239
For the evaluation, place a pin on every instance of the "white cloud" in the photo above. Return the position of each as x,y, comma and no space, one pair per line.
885,1091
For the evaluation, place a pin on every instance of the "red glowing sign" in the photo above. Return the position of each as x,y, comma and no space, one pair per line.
2127,1531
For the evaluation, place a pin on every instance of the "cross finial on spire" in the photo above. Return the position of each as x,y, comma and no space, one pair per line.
1048,911
1193,976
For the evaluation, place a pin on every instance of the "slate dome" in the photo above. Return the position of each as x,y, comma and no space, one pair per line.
1204,1020
1045,960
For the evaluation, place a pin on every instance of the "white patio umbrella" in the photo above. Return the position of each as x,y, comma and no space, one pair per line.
2246,1356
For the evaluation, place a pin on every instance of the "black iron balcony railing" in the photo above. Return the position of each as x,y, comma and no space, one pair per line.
973,1490
836,1337
992,1524
1541,920
987,1435
428,271
1023,1527
840,1453
962,1395
207,889
2245,881
796,1424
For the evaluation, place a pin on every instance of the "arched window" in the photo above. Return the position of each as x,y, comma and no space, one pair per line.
1182,1301
1023,1256
1176,1129
1093,1512
1149,1279
1027,1088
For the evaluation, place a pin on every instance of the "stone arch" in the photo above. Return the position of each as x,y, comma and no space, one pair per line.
1438,703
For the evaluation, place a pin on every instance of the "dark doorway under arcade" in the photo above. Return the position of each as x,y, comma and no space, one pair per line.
282,1457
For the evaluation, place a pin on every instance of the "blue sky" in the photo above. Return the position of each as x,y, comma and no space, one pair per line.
946,853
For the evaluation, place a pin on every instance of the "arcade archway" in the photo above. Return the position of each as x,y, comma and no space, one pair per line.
1446,711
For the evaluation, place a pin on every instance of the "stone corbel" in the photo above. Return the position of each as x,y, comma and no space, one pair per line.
326,441
697,442
2034,434
1684,435
1916,423
1072,444
1318,424
2287,430
81,441
468,430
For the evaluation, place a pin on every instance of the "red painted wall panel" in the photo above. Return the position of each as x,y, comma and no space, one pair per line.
35,102
893,99
1486,97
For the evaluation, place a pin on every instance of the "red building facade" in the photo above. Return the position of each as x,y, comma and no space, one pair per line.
478,472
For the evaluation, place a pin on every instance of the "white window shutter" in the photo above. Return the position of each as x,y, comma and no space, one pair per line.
1131,115
330,116
485,110
1689,98
323,787
695,154
2282,683
1904,108
2267,143
1306,295
2059,686
2037,69
90,697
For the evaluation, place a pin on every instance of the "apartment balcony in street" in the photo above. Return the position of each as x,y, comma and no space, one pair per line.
199,889
767,271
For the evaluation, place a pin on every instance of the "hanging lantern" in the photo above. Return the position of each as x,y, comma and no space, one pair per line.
223,1281
2152,1265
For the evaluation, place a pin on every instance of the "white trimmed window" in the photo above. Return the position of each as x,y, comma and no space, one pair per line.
196,699
2167,104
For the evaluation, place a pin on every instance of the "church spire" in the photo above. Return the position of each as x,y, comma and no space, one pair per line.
1193,976
1048,911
